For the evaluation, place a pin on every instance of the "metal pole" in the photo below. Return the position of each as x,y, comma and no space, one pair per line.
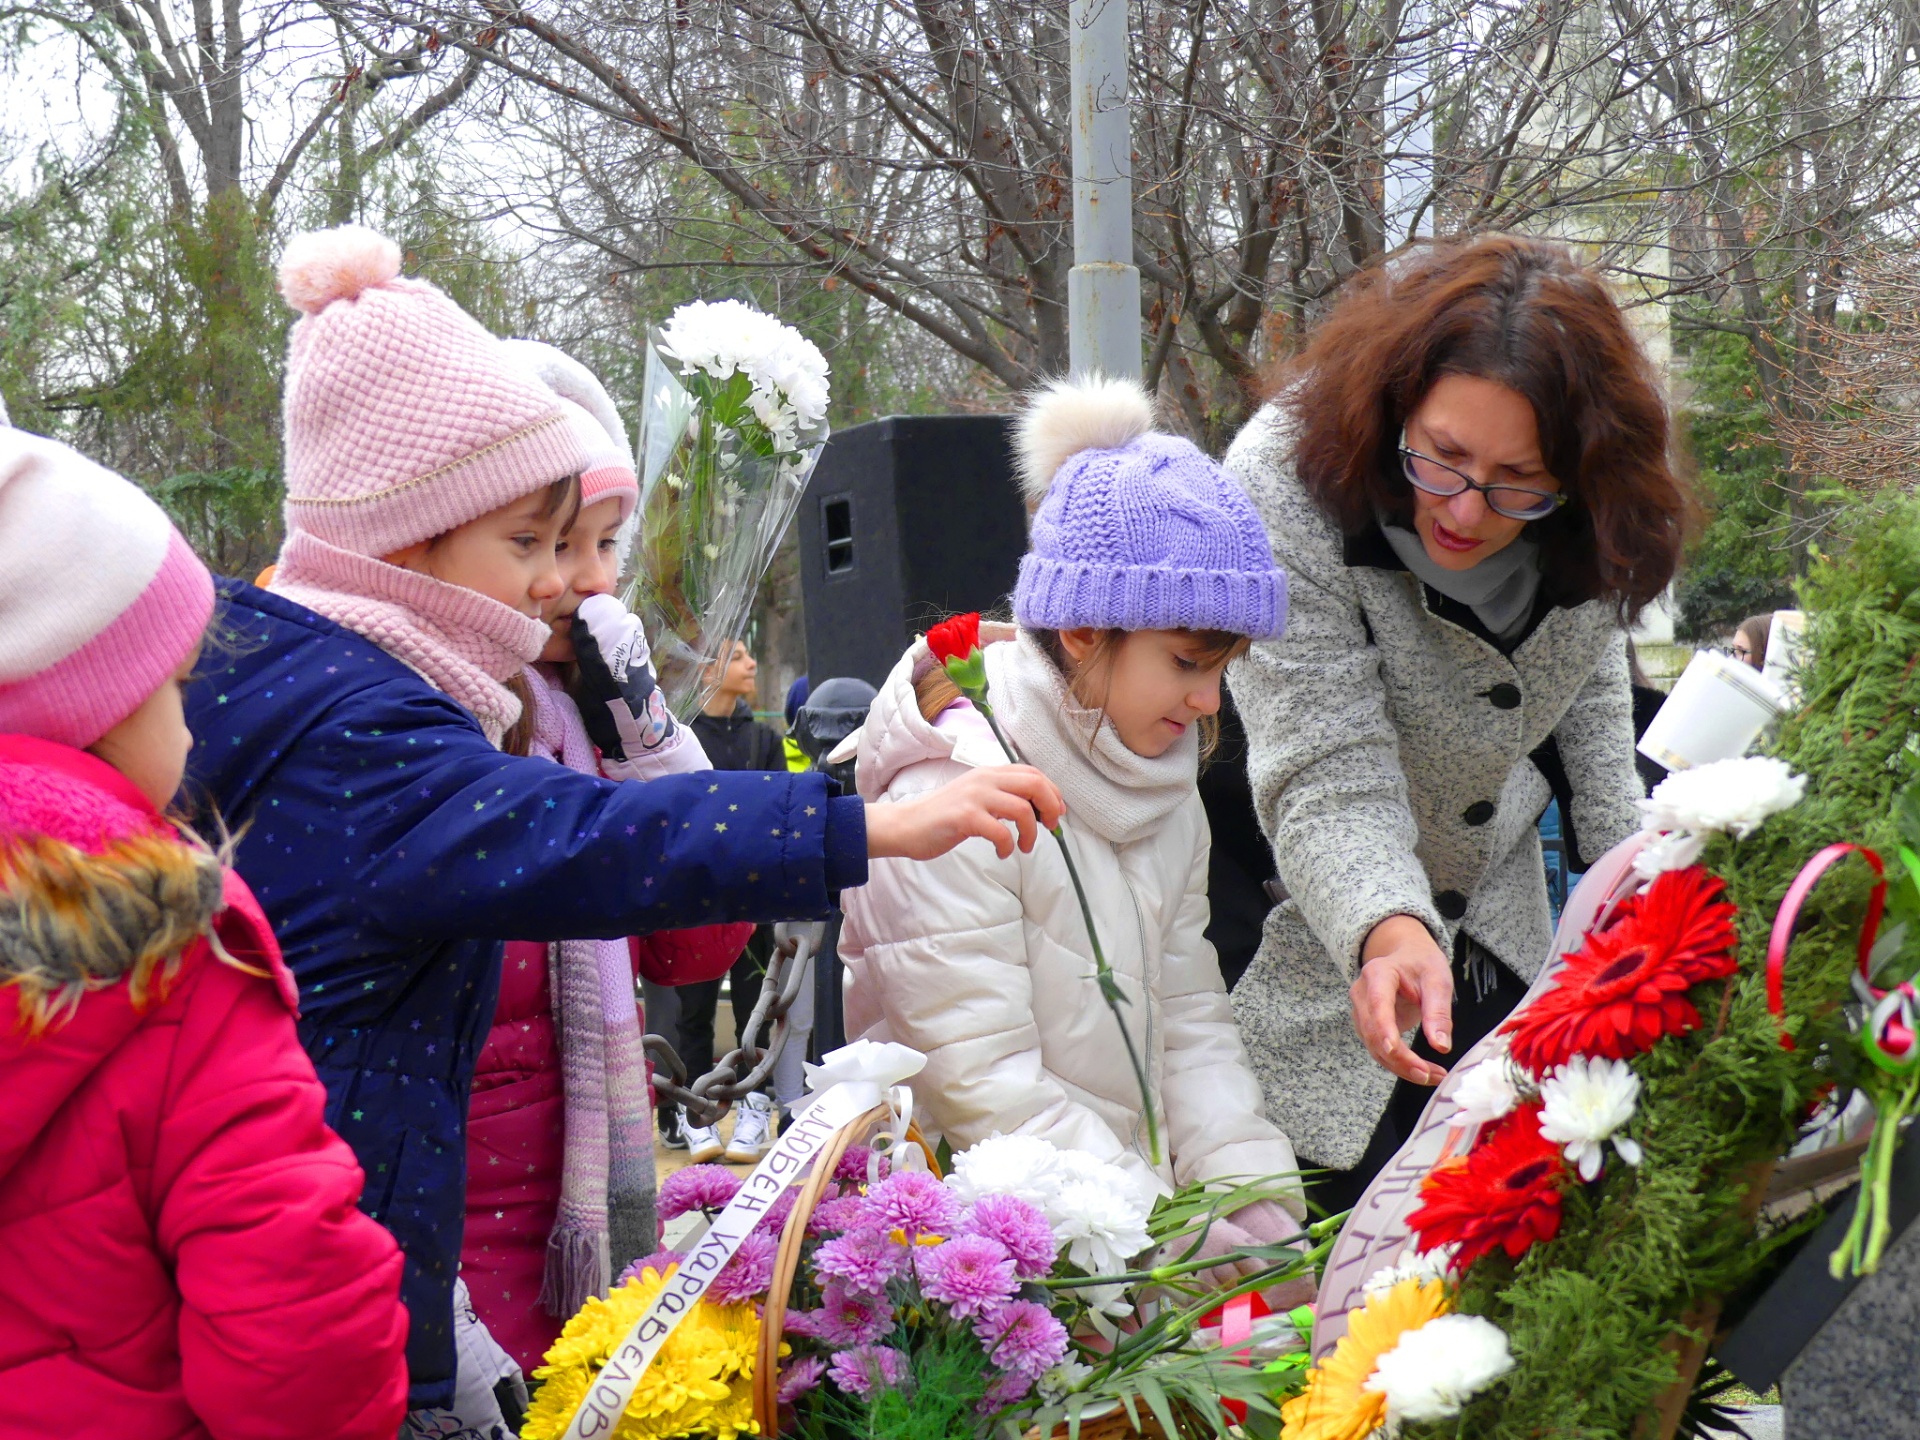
1103,288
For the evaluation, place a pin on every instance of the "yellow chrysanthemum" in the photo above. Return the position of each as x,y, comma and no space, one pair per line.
1336,1405
701,1382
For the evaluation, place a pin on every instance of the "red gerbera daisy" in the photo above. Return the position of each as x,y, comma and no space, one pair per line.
1627,985
1504,1195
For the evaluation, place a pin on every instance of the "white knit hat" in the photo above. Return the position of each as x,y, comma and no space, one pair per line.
609,468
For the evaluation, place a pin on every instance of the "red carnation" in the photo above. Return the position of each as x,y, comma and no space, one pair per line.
1627,985
955,639
1504,1195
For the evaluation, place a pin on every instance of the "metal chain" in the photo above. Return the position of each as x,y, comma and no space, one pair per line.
745,1068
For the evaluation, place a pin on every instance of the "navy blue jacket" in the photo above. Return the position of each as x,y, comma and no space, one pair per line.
394,849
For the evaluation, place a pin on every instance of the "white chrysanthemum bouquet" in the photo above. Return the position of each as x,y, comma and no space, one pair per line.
734,418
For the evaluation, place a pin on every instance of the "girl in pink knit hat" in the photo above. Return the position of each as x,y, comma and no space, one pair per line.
184,1252
354,731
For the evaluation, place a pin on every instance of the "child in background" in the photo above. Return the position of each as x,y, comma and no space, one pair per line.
183,1252
560,1173
1147,571
354,730
733,740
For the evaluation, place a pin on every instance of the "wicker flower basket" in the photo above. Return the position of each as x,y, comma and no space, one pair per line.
786,1264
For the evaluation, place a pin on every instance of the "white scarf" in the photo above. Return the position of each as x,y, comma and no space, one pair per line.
1117,794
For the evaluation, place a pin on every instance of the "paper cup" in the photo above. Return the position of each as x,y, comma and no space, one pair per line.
1717,709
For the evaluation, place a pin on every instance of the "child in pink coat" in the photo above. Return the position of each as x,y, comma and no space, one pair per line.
184,1254
559,1136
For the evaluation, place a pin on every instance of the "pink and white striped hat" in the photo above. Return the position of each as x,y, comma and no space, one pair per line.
100,597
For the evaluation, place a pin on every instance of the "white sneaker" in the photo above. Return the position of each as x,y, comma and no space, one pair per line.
703,1141
752,1130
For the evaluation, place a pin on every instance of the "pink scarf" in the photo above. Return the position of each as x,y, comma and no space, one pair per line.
458,640
606,1219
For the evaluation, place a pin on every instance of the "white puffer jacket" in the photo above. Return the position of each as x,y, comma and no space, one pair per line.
983,964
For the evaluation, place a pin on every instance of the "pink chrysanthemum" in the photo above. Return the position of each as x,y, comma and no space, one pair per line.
1022,1337
799,1376
868,1367
656,1262
852,1167
865,1259
914,1202
1007,1390
698,1187
969,1275
799,1324
849,1212
849,1317
750,1271
775,1219
1018,1226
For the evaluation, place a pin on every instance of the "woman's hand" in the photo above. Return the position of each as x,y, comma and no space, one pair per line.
982,803
1404,980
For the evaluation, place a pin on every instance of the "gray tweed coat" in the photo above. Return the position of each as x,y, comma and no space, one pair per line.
1388,752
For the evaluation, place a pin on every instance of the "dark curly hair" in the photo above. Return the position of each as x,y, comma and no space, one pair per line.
1527,315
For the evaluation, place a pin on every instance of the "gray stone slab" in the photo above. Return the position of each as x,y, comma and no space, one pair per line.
1762,1422
1859,1378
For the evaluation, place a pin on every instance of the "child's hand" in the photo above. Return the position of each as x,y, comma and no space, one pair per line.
1261,1223
980,803
625,714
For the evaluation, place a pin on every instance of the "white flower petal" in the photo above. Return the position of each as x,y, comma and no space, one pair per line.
1488,1091
1675,850
1732,797
1584,1102
1437,1368
1628,1149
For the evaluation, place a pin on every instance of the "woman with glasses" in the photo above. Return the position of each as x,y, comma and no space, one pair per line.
1466,478
1750,640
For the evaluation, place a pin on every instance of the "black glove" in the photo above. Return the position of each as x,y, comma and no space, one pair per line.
625,714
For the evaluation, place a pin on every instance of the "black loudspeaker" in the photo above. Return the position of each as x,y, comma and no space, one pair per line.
907,520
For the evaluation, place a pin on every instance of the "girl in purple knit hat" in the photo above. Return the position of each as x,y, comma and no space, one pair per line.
1147,572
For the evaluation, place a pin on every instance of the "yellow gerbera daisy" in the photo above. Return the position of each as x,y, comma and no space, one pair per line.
1336,1405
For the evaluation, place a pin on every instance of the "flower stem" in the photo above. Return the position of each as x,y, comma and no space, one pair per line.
1110,990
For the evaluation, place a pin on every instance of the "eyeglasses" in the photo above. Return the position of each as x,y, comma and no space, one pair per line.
1516,502
1740,651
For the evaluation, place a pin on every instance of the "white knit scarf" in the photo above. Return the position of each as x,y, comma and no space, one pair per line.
1117,794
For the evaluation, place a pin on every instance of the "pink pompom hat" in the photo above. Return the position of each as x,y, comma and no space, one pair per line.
101,599
609,469
404,417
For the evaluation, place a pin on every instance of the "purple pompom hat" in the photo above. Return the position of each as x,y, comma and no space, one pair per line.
1136,530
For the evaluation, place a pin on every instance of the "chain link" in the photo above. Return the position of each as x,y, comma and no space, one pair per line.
745,1068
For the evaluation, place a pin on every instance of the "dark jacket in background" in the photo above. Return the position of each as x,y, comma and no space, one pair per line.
738,741
1241,862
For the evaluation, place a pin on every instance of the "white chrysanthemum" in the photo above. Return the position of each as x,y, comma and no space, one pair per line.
1423,1269
1437,1368
788,373
1586,1102
1675,851
1095,1209
1488,1091
1101,1222
1023,1166
1731,797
